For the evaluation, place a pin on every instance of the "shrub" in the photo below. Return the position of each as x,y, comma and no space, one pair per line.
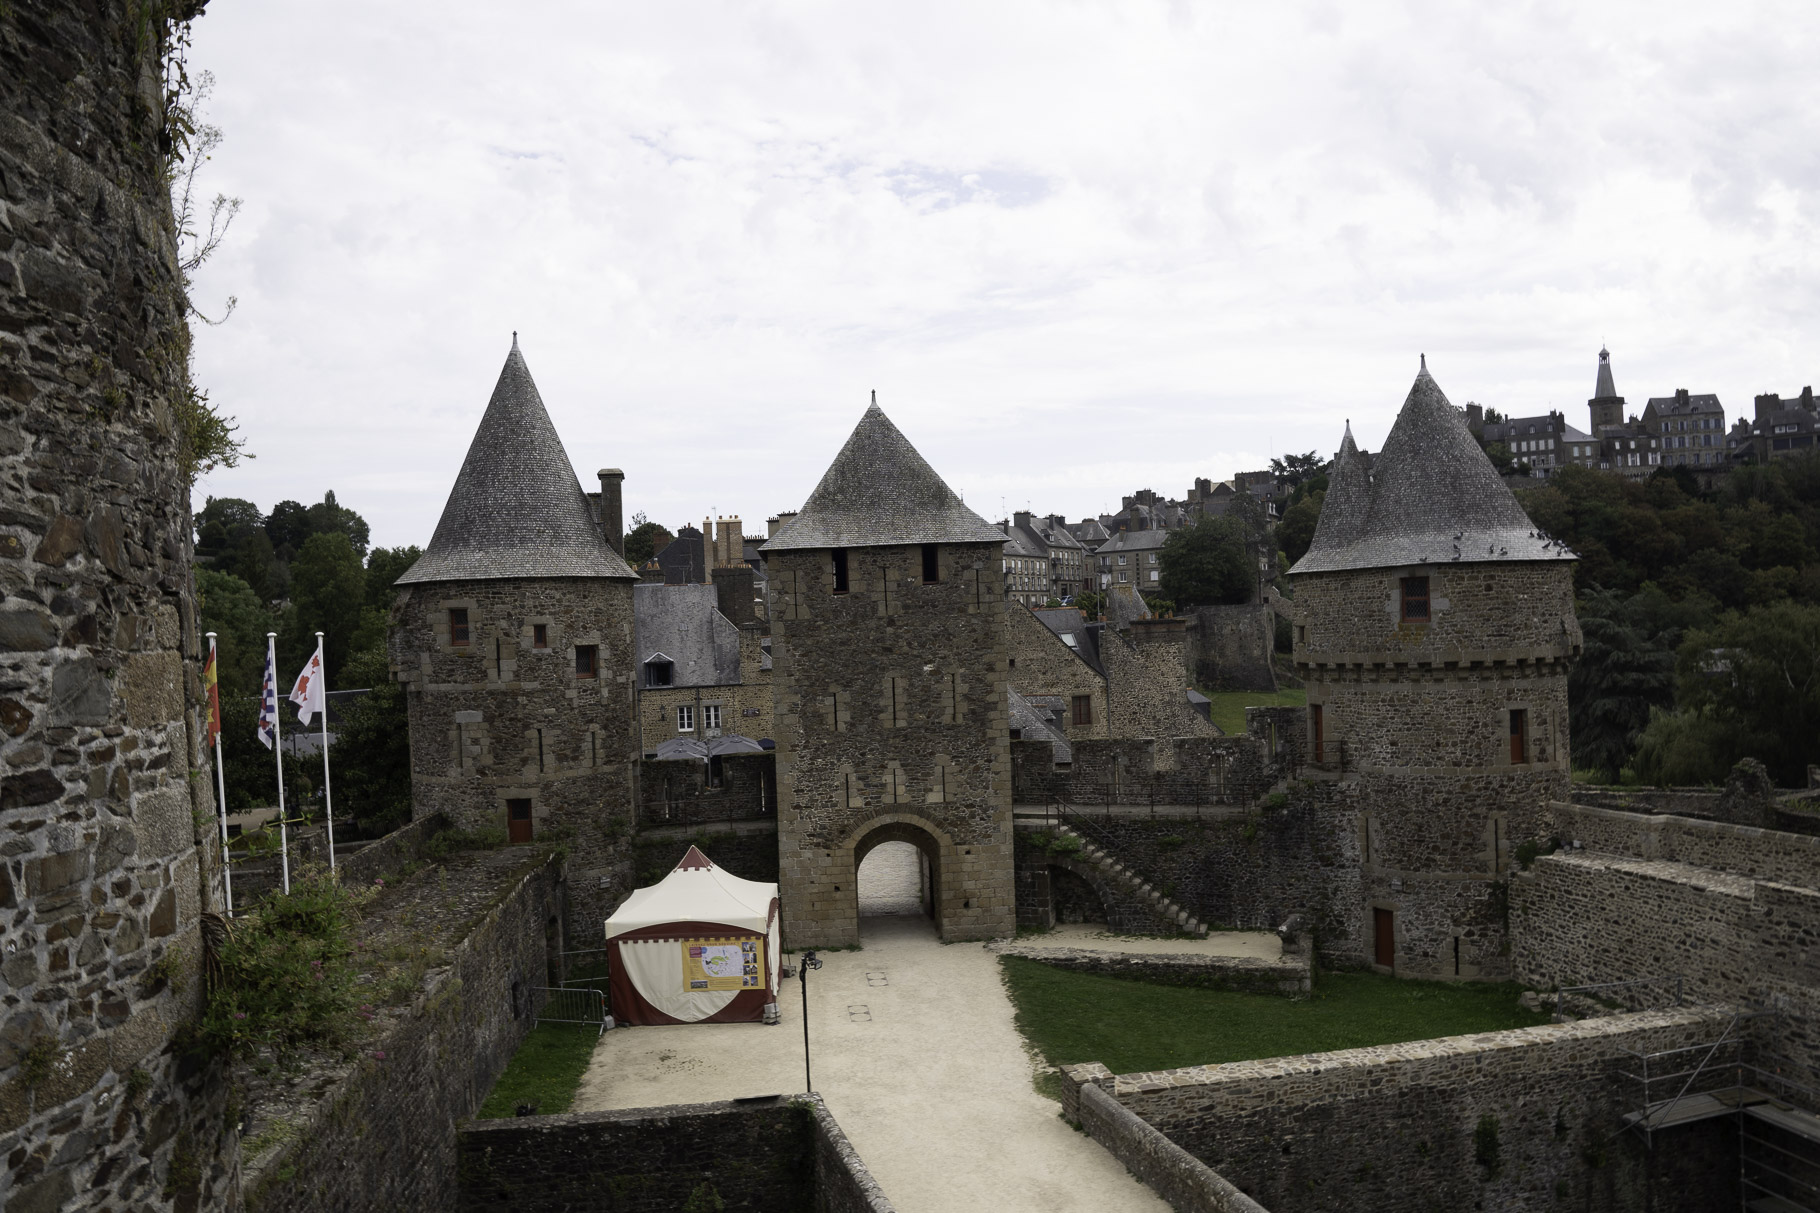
448,842
286,974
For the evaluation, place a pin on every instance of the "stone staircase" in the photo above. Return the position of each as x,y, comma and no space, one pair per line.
1122,877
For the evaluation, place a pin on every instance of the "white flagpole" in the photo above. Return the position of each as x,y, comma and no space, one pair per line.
227,876
284,842
328,800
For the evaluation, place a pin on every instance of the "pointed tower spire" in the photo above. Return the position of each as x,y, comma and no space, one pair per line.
517,509
1348,501
880,492
1605,388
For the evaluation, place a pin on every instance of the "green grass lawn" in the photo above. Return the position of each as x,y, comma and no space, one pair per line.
545,1071
1132,1025
1228,709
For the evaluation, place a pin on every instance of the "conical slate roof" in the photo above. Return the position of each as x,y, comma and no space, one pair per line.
1347,502
1434,498
1605,388
880,492
516,509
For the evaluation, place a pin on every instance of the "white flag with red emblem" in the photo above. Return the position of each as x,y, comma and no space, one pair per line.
307,694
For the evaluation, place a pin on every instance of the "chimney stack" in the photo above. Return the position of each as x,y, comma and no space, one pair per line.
612,517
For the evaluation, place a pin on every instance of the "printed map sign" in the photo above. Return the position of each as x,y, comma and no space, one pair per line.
721,964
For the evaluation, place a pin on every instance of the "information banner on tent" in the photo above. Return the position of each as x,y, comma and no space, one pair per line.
723,964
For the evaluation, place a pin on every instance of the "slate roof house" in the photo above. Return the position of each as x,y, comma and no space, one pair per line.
700,675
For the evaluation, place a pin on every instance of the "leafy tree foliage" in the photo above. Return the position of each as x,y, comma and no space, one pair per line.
644,541
1296,531
1292,470
1625,673
372,753
229,607
328,593
384,567
1759,672
1212,562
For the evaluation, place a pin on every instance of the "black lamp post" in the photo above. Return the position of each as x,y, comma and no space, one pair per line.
809,960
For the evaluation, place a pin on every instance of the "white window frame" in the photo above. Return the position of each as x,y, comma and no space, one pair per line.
685,718
710,716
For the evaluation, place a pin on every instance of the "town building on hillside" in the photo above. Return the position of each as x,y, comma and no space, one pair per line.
1069,562
1629,447
1132,558
1781,429
1691,430
1026,568
1089,533
1545,444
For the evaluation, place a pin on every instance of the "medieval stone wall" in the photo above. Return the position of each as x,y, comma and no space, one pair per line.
675,792
1230,648
110,857
892,724
1521,1119
383,1134
499,719
768,1156
1477,612
1149,682
748,849
1744,850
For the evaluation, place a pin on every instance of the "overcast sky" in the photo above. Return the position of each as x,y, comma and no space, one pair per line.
1078,249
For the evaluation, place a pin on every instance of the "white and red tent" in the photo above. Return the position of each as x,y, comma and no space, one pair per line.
699,946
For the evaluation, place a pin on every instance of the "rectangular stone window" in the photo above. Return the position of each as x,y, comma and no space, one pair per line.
1317,732
1415,599
1083,709
540,635
840,570
458,625
587,661
932,563
685,718
1519,736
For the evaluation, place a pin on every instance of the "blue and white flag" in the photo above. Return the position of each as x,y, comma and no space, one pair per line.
268,700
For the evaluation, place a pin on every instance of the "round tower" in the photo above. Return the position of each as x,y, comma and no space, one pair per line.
1435,628
889,675
513,636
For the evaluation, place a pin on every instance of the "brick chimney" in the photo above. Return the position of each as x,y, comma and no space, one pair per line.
612,517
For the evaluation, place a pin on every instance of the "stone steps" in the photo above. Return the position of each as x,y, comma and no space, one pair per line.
1160,906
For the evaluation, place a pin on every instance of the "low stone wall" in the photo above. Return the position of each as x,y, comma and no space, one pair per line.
766,1156
382,1136
1187,1183
1523,1119
407,844
746,849
1745,850
1289,975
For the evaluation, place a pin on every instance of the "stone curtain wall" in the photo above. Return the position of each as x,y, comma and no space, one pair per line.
104,799
934,768
1187,1183
676,792
1744,850
476,713
383,1136
1287,975
1230,648
407,844
746,849
1148,681
1198,770
765,1156
1516,1120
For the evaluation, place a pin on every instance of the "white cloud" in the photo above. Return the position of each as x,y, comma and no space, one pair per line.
1079,249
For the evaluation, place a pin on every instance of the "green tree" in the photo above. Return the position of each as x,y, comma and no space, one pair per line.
1292,470
328,594
1212,562
248,768
1758,673
384,567
229,607
1685,749
1296,531
644,541
372,752
1626,671
329,516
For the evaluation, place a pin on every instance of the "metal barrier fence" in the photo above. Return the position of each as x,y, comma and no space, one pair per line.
577,1005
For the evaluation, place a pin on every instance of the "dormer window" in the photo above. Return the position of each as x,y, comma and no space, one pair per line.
660,671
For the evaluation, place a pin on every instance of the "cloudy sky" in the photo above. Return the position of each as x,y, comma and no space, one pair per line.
1078,249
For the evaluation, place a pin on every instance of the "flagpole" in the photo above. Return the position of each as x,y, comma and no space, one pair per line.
328,800
227,876
284,843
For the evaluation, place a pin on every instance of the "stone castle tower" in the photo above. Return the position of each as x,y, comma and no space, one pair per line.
888,643
513,635
1606,406
1434,632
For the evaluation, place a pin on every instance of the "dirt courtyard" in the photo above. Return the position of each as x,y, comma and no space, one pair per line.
915,1052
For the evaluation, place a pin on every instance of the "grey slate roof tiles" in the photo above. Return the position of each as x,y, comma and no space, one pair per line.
682,624
879,492
1433,498
517,509
1604,388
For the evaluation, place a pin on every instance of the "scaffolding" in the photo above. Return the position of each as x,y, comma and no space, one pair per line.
1777,1130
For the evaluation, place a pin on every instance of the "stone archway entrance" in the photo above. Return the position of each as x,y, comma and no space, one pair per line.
897,871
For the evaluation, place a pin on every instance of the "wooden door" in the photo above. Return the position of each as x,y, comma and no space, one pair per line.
1386,941
518,821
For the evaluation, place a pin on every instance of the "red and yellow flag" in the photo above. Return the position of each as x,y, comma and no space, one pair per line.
214,694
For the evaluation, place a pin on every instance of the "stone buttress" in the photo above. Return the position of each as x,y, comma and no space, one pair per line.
889,651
